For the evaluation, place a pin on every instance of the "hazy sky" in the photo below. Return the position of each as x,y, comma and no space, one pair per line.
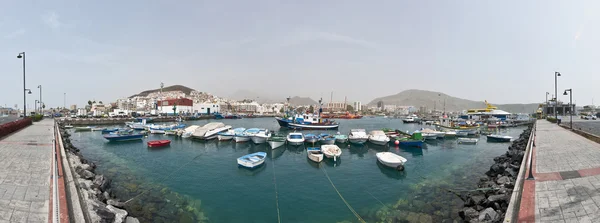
502,51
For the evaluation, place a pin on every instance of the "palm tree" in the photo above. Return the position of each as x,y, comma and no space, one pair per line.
100,102
89,102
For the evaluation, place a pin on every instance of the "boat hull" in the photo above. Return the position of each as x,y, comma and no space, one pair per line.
157,131
494,139
315,155
393,161
258,139
314,127
327,141
225,137
379,142
123,138
338,140
276,144
241,138
311,140
359,141
282,122
159,143
295,143
252,160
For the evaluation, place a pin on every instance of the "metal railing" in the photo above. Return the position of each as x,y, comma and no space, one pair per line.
55,176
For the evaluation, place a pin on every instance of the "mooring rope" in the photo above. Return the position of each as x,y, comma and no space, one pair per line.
376,199
166,178
276,193
342,197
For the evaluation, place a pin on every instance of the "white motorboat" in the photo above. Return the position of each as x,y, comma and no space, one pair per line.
314,154
261,136
378,137
437,134
157,131
187,132
252,160
467,140
391,160
295,138
210,131
411,119
450,134
358,136
331,151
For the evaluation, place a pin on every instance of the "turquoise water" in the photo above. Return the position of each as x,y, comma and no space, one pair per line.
191,181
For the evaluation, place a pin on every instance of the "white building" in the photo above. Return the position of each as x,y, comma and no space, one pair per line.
181,105
206,108
357,106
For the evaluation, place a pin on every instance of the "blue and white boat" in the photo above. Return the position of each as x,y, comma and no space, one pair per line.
306,121
225,136
252,160
326,139
311,138
238,135
116,137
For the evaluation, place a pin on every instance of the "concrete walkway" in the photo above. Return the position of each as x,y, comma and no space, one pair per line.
566,167
25,168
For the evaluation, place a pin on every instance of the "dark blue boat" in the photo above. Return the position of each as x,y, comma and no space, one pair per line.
283,122
123,137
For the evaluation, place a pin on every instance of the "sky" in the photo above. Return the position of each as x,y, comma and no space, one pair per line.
500,51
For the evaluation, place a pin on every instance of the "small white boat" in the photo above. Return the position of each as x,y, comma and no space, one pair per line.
462,133
433,133
339,138
391,160
187,132
157,131
276,141
252,160
210,130
378,137
467,140
170,132
97,129
358,136
238,135
295,138
331,151
86,128
225,136
326,139
450,134
68,126
314,154
261,136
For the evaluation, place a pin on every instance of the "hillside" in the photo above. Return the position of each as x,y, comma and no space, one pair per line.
430,99
182,88
296,101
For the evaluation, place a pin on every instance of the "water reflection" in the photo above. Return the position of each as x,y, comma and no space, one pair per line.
390,172
313,163
359,150
330,162
242,146
415,152
276,153
251,172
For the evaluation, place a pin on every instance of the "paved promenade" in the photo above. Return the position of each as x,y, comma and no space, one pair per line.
25,167
566,168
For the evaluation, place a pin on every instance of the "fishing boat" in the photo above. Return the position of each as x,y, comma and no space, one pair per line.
84,129
261,136
240,136
378,137
252,160
358,136
331,151
187,132
467,140
310,138
326,139
339,138
498,138
276,141
306,121
314,126
409,142
210,131
115,137
159,143
391,160
295,138
314,154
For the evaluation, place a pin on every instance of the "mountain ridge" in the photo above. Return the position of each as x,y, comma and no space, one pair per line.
431,99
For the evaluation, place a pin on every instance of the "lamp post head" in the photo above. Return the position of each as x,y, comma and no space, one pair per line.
557,74
40,86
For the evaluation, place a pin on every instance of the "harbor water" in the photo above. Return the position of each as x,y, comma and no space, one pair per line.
193,181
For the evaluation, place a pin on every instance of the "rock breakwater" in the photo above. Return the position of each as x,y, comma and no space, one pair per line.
490,202
98,200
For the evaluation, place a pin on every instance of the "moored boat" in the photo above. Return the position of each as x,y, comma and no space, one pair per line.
84,129
339,138
450,134
252,160
225,136
411,119
314,154
210,131
331,151
107,131
261,136
276,141
159,143
498,138
391,160
310,138
358,136
295,138
378,137
187,132
239,135
326,139
68,126
467,140
114,137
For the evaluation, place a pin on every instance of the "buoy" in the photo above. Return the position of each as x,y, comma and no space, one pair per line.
397,142
400,168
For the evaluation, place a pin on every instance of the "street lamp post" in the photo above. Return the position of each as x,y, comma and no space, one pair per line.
570,90
22,55
546,107
40,87
556,75
35,106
